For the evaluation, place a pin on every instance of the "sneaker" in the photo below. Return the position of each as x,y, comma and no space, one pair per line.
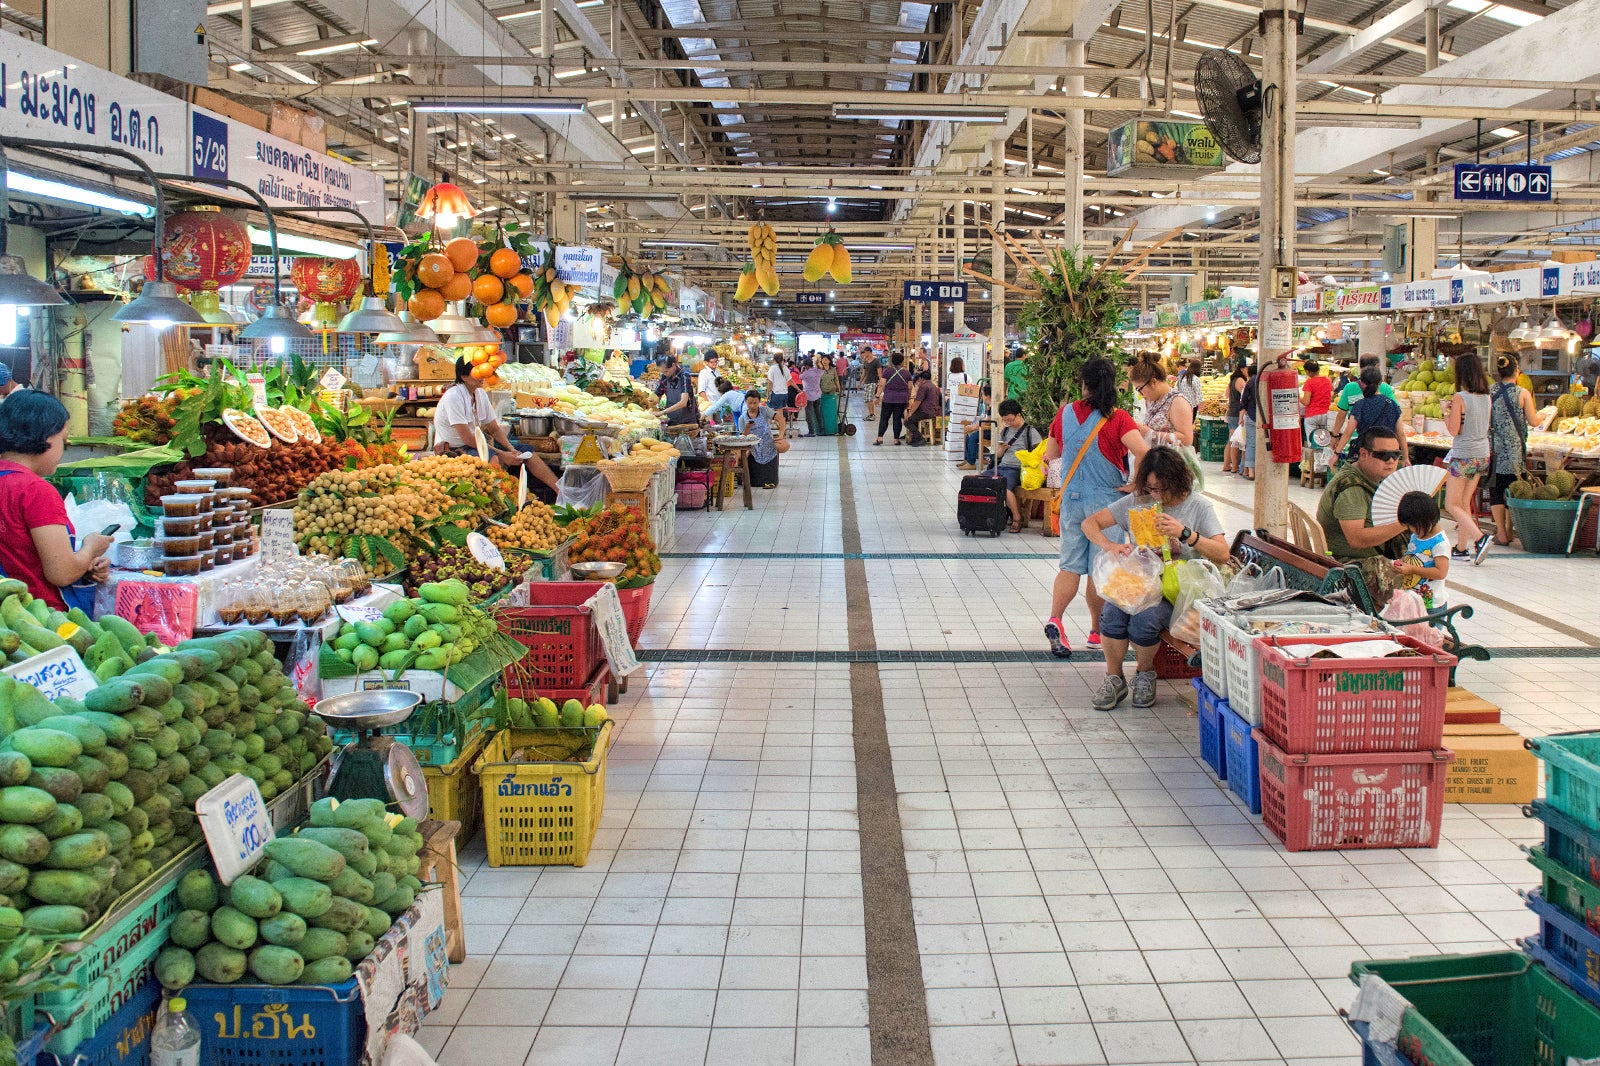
1481,549
1060,646
1459,553
1144,688
1113,690
1094,638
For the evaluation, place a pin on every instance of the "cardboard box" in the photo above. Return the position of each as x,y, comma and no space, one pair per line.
1463,708
1491,766
213,101
286,122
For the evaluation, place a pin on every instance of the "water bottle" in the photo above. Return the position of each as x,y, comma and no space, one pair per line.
175,1041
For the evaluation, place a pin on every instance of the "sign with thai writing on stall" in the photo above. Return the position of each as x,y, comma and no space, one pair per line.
236,824
49,95
57,672
606,609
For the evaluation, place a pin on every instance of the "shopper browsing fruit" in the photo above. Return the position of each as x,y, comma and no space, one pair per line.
1189,524
681,407
706,381
1466,415
37,542
1510,415
465,406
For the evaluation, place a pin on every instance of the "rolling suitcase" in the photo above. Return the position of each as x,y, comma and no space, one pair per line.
981,504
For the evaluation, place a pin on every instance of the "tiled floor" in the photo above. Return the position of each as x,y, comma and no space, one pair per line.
1083,891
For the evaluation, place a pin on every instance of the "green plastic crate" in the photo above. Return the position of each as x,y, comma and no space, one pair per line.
1571,774
1496,1009
1574,895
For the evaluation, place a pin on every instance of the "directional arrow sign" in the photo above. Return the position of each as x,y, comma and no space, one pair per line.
1496,181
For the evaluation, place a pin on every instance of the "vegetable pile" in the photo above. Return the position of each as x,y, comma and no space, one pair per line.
432,631
617,534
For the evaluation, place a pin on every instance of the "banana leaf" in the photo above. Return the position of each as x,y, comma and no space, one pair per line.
136,463
122,443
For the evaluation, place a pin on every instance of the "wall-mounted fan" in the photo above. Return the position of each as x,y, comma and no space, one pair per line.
1230,100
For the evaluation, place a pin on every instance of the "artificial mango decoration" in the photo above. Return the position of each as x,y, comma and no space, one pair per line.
747,283
831,257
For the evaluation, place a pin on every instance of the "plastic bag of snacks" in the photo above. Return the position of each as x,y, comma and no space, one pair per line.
1131,581
1198,579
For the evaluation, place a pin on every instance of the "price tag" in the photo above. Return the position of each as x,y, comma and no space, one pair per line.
359,614
57,672
236,824
484,550
606,609
258,389
277,535
333,381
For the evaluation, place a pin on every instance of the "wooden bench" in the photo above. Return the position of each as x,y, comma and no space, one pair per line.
438,863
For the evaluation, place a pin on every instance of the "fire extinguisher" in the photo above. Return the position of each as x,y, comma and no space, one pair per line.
1281,388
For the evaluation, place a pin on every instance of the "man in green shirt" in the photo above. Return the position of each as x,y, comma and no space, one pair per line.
1016,377
1352,392
1345,510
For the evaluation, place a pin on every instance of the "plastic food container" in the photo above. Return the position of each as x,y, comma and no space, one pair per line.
181,527
195,485
179,547
182,505
238,494
208,559
187,567
219,474
222,534
207,539
223,554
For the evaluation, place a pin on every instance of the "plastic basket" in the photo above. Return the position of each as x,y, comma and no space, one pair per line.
1207,710
1543,526
1325,706
598,689
540,813
453,794
122,1040
1244,659
1574,945
1350,801
635,609
279,1025
1571,774
1575,896
1213,647
1495,1009
1242,755
1172,664
559,632
1569,842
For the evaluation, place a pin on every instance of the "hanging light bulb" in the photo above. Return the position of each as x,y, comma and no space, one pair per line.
446,205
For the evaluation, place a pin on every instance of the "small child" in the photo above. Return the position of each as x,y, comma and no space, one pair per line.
1419,513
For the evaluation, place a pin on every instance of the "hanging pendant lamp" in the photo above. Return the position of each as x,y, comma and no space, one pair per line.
445,204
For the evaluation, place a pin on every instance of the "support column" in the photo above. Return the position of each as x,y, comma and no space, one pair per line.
1430,37
91,31
960,323
547,43
1280,31
997,293
1072,166
917,308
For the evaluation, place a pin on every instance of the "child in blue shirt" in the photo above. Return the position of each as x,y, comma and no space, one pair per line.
1428,550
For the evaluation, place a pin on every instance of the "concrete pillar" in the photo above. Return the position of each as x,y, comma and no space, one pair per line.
1277,238
1072,204
997,293
1430,37
960,323
919,274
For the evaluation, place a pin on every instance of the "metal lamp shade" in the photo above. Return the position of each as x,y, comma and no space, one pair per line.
277,322
372,316
158,302
21,289
410,331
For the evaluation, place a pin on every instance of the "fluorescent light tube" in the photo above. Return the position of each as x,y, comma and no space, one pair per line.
332,49
912,113
498,107
28,185
292,242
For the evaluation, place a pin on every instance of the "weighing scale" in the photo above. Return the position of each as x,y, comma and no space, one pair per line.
375,766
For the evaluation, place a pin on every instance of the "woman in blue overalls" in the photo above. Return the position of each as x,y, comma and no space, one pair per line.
37,543
1093,438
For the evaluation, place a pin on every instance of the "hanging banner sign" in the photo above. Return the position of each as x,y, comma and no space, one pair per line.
1355,301
261,267
576,265
282,172
810,297
1511,285
936,291
49,95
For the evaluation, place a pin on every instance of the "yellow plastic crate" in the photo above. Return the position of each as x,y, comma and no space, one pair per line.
540,813
453,794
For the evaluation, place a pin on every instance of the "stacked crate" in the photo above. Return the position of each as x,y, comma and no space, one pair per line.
1568,901
1350,748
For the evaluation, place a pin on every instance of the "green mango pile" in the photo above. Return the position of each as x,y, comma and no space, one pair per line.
96,795
542,713
312,909
432,631
29,626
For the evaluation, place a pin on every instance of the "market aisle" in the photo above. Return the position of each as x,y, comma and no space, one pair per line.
1082,890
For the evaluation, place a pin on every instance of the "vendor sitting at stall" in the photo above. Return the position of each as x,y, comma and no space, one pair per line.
924,411
37,542
466,405
761,422
1345,512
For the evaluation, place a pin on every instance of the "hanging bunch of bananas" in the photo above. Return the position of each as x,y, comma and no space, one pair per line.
550,294
639,289
830,256
764,256
747,283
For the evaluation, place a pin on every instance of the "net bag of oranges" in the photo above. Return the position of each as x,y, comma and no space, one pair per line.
1131,581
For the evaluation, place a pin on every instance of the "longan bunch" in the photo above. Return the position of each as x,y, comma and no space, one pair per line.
532,529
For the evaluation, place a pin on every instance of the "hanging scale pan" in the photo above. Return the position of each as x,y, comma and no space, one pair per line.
402,776
1321,437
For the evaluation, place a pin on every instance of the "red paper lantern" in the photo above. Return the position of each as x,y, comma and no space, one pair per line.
326,280
204,245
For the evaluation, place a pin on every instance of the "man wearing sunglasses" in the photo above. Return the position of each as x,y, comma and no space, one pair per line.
1345,510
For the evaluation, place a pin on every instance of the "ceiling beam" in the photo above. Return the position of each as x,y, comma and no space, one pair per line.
1374,36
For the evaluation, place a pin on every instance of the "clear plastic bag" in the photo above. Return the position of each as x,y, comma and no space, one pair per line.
1252,579
1132,581
582,487
1198,579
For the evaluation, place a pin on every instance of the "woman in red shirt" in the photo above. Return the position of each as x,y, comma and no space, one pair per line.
1316,396
36,538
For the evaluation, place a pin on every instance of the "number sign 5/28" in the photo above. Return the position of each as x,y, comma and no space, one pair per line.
210,146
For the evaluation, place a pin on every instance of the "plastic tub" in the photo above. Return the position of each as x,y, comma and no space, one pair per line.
187,567
182,504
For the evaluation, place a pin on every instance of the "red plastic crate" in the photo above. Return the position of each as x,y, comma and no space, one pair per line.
1391,799
1172,665
635,609
560,635
597,689
1330,706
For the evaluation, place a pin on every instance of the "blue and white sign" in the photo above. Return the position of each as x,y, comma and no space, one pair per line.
57,672
209,139
936,291
577,265
236,824
1497,181
810,297
46,94
282,172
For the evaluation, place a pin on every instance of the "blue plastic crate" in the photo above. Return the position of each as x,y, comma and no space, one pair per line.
1569,842
29,1049
1574,947
279,1025
122,1040
1207,707
1374,1053
1574,978
1243,756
